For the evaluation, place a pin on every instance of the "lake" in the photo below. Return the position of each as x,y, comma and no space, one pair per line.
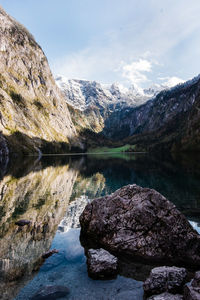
52,192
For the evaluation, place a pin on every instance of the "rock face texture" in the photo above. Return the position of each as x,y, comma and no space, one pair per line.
141,223
101,264
34,113
192,289
165,279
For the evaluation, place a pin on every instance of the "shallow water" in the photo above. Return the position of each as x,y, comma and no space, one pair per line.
52,193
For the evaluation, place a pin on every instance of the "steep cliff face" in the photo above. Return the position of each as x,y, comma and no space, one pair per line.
190,139
169,122
33,110
156,113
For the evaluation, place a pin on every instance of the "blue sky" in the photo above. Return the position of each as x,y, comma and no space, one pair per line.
126,41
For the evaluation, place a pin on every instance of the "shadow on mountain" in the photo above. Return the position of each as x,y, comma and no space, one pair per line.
21,144
20,154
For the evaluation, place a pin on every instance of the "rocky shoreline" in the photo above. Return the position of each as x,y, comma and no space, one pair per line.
142,224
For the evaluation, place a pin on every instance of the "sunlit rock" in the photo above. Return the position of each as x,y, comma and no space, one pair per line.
34,114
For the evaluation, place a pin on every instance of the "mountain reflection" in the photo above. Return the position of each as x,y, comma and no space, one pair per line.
41,191
41,197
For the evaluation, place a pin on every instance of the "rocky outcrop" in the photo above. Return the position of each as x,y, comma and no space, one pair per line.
34,113
49,253
141,223
101,264
165,279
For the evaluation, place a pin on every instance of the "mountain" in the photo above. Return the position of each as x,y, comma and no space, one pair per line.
91,103
34,115
170,122
82,94
158,118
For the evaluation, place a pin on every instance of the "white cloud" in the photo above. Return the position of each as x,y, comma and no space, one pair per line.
104,66
171,81
90,63
156,39
134,71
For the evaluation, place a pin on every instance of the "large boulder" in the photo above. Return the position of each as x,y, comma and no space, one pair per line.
101,264
141,223
165,279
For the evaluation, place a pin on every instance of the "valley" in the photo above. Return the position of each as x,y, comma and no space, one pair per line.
151,122
99,182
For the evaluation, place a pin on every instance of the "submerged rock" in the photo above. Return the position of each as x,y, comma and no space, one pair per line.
49,253
51,292
141,223
192,289
101,264
22,222
165,279
166,296
196,280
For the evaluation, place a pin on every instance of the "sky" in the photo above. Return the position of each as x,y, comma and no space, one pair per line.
138,42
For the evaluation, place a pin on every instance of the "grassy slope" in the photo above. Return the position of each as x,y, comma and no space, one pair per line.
125,148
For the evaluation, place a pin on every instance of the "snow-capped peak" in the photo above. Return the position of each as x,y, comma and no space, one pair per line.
83,94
